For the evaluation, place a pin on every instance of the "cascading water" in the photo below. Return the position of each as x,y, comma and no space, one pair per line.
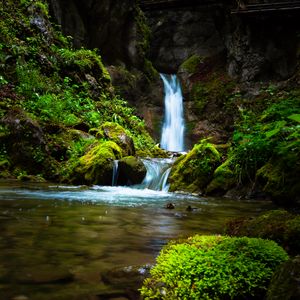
173,127
115,173
158,170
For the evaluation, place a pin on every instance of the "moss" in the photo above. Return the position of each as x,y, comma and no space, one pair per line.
278,225
116,133
214,267
191,65
192,172
279,180
223,179
143,45
96,166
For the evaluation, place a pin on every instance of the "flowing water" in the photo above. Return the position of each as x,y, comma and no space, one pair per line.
76,242
172,138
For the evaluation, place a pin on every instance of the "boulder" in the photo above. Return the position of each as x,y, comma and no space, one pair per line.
96,166
131,170
193,171
285,283
116,133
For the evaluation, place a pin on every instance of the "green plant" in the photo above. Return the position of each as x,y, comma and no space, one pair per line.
214,267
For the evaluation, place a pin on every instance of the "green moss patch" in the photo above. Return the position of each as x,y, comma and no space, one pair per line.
214,267
193,171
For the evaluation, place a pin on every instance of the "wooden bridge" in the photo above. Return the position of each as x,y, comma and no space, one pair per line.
243,7
237,6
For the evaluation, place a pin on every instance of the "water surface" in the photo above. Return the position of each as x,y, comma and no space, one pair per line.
62,242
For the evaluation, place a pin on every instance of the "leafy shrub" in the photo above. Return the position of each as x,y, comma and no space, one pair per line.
214,267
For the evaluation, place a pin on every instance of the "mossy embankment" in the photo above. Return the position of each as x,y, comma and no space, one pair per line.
254,125
55,102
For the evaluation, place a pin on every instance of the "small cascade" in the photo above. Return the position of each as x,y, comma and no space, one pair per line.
115,173
172,138
158,170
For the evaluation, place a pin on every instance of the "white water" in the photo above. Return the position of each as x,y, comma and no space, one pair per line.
158,170
115,173
173,127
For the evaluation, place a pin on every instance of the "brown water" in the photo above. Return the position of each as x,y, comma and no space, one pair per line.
71,242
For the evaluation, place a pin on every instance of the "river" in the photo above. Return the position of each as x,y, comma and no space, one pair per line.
76,242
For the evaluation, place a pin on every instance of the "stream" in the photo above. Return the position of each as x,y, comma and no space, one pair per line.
76,242
89,243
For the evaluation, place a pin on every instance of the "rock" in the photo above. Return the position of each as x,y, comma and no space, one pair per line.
223,179
179,34
278,225
96,166
170,206
116,133
25,142
146,95
193,171
107,25
285,283
131,170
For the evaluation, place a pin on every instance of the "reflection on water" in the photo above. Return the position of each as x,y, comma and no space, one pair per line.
60,242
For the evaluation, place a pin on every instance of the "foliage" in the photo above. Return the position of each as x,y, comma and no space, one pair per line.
58,86
213,267
275,134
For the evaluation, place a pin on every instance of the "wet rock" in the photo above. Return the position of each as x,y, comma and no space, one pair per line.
96,166
285,283
190,208
170,206
131,170
130,277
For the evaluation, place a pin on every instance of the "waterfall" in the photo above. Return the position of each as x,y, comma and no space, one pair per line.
115,173
173,127
158,170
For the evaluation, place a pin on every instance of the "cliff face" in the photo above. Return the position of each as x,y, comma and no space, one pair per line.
242,48
178,34
257,47
107,25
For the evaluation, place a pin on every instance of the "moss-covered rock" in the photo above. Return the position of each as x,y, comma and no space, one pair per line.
278,225
285,282
223,179
280,180
96,166
25,144
116,133
131,170
193,171
214,267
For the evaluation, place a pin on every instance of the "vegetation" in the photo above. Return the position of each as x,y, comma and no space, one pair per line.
214,267
261,132
66,93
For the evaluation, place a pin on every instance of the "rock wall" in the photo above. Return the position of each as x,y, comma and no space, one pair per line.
178,34
107,25
258,47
